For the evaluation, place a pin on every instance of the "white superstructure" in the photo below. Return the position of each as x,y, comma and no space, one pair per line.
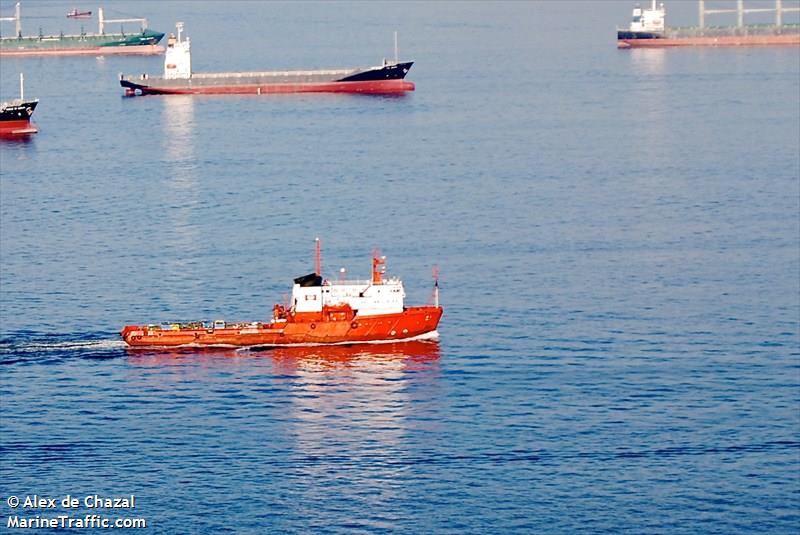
178,58
366,297
648,20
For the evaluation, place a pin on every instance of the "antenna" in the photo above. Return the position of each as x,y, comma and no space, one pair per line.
317,257
21,86
395,47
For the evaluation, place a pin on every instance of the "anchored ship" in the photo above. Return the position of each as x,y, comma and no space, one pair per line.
648,29
75,14
321,311
179,79
145,42
15,116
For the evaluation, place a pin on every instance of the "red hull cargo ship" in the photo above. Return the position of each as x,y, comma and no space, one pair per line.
179,79
648,29
320,312
15,116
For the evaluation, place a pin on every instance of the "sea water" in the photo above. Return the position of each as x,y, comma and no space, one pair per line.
616,231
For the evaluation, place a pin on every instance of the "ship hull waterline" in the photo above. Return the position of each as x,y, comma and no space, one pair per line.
136,50
412,323
367,87
17,128
720,41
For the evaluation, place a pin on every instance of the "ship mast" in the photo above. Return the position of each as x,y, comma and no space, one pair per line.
378,267
22,87
17,18
318,257
436,286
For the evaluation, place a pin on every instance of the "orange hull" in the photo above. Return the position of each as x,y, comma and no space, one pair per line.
728,40
299,356
327,327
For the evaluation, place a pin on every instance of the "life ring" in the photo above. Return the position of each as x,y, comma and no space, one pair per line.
313,325
354,325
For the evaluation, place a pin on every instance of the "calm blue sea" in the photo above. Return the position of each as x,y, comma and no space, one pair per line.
618,234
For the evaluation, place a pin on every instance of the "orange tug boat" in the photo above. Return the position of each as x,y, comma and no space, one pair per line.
321,312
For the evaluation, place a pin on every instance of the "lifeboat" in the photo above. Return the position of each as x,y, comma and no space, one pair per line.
321,311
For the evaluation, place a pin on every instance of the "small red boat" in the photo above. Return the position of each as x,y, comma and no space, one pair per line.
75,14
321,311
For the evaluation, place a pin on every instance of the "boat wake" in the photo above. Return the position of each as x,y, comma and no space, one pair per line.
50,351
15,351
44,347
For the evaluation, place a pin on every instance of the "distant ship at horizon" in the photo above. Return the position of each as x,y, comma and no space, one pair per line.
144,42
75,14
648,29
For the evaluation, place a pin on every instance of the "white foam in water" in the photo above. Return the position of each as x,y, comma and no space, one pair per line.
66,346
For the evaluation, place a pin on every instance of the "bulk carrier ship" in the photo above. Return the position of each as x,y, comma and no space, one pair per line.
179,79
321,311
145,42
648,29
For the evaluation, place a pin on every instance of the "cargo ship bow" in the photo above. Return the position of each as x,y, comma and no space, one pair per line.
15,116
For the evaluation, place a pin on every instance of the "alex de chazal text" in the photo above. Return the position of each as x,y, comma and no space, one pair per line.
92,501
